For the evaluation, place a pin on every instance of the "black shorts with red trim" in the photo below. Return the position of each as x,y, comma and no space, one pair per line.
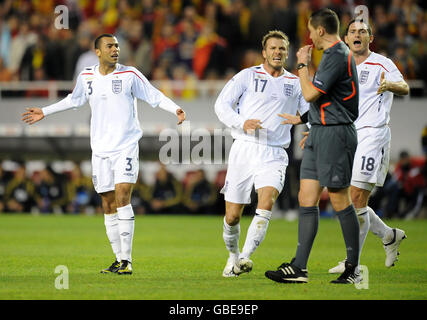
329,154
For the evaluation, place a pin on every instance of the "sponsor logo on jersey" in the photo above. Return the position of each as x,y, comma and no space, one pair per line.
363,76
117,86
289,89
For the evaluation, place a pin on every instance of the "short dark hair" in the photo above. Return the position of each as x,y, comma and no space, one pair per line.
361,20
107,35
275,34
327,19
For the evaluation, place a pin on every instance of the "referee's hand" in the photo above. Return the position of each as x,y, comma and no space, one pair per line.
304,54
302,142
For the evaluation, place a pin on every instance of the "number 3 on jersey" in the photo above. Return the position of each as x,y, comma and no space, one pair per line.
262,85
89,87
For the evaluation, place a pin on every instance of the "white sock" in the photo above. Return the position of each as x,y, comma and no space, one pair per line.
379,228
256,232
364,222
112,228
126,229
231,235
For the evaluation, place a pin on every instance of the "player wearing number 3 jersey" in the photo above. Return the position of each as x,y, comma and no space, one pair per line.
111,90
379,79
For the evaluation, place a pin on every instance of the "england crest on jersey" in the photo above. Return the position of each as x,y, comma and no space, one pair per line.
117,86
363,76
289,89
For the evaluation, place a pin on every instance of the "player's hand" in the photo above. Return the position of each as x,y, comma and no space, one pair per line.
251,125
383,84
304,54
290,118
32,115
302,142
181,115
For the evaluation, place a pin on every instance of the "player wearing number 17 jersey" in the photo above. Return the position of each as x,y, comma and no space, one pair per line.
249,104
111,90
379,80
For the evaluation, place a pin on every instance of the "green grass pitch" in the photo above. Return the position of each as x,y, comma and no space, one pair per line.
182,258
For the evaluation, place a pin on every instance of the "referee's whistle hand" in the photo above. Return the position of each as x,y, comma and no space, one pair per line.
304,54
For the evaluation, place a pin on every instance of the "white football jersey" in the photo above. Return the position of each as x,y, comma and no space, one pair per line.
254,94
114,123
374,109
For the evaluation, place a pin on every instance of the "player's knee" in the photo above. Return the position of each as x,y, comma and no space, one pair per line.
123,196
122,200
266,204
357,201
109,206
306,199
232,220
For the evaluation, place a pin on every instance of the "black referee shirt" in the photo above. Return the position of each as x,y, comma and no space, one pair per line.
336,78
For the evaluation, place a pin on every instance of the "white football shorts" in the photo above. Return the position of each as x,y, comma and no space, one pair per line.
253,164
119,167
371,161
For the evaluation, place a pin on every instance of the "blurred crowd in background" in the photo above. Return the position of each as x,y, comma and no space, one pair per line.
71,191
188,40
404,194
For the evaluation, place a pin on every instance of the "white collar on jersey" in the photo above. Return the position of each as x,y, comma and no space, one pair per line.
96,70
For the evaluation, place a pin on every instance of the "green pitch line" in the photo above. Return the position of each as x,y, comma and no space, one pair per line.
182,257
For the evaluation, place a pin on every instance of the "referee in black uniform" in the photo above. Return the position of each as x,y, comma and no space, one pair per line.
329,147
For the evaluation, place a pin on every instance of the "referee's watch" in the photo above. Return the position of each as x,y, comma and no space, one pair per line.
301,65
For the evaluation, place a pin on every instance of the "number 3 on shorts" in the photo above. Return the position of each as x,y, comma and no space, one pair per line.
129,164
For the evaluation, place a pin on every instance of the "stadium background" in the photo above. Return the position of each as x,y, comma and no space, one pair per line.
187,49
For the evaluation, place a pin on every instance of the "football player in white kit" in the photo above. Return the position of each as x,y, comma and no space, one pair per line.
249,104
111,90
379,79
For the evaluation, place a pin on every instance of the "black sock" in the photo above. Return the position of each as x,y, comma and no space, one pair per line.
308,224
350,231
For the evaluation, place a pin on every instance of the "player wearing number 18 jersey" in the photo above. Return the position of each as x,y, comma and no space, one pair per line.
379,80
250,105
111,90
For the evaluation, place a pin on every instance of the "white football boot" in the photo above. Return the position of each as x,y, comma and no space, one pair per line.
228,270
340,268
391,248
243,265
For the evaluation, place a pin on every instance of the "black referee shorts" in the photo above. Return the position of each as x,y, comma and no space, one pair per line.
328,155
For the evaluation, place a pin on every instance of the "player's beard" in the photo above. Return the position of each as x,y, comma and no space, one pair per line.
275,66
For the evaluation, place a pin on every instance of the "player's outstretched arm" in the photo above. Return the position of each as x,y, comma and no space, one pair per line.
290,118
181,115
32,115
